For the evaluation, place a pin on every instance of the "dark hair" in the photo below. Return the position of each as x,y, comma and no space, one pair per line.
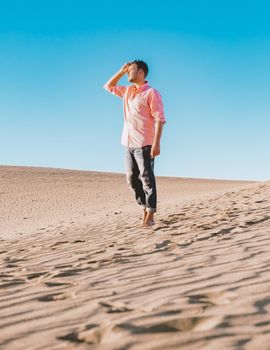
141,65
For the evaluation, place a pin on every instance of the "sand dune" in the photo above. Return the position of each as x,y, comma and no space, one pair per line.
80,274
41,199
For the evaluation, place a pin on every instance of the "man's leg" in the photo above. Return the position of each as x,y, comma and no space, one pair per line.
146,168
145,213
132,177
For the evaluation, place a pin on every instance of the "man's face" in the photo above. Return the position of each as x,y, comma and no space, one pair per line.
132,72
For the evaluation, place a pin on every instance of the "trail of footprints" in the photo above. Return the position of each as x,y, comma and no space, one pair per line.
166,280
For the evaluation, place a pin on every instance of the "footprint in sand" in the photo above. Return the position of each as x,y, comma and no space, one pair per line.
59,243
71,272
179,324
165,245
89,334
56,296
206,236
212,298
257,221
11,265
63,266
162,227
13,262
35,275
59,284
115,307
12,283
262,305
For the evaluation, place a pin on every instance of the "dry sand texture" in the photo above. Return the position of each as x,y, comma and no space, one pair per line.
78,273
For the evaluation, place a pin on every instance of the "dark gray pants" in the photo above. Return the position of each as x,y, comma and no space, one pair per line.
140,176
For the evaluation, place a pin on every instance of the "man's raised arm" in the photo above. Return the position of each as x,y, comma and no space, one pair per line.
114,80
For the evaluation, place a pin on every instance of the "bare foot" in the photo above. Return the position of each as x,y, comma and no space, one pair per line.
149,220
149,223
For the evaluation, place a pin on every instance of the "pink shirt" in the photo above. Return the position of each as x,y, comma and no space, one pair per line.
142,108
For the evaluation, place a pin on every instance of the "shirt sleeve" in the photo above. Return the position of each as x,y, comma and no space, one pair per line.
118,90
156,106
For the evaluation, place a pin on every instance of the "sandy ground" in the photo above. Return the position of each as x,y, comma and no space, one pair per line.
77,271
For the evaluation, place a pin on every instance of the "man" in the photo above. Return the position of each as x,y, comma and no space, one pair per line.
143,123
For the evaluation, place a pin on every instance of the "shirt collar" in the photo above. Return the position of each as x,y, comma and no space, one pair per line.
142,87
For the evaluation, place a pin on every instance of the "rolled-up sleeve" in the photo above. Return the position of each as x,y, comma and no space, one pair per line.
156,106
118,90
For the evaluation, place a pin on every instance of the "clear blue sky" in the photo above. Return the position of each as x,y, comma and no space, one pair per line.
209,60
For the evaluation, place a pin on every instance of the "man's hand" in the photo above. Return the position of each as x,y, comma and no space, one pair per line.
114,80
155,150
124,68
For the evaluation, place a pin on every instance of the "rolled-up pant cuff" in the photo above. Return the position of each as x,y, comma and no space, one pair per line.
151,210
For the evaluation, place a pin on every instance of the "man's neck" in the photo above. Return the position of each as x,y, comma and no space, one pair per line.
140,84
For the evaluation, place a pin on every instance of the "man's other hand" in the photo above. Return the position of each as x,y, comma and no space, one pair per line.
155,150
